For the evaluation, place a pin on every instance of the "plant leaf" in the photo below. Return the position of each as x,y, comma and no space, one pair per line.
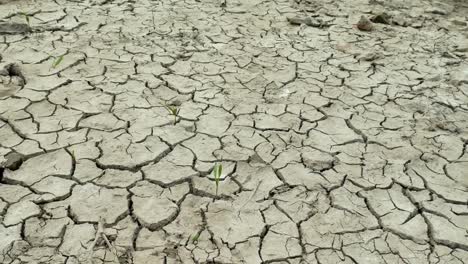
215,171
57,61
173,110
195,238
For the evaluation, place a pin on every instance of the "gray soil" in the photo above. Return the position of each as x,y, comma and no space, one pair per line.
341,128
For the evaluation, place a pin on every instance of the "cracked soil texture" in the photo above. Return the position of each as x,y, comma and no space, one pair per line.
341,140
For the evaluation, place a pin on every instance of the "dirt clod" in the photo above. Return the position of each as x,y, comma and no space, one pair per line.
364,24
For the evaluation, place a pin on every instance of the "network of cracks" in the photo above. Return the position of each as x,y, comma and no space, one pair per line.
338,143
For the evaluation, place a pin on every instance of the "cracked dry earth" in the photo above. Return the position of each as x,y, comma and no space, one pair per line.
337,145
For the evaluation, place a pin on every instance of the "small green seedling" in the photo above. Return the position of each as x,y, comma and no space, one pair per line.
57,61
217,172
173,110
195,238
26,17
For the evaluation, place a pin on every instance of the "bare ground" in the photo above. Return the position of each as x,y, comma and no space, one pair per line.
340,141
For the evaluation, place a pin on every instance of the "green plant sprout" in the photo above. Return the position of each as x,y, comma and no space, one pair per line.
57,61
26,17
195,238
173,110
217,172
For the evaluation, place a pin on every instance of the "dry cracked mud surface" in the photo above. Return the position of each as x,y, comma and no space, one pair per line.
340,141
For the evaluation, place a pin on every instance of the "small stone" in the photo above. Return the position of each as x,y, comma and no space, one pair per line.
299,20
364,24
382,18
304,20
437,11
14,28
13,161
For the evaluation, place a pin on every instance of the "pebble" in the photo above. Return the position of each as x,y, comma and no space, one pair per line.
364,24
